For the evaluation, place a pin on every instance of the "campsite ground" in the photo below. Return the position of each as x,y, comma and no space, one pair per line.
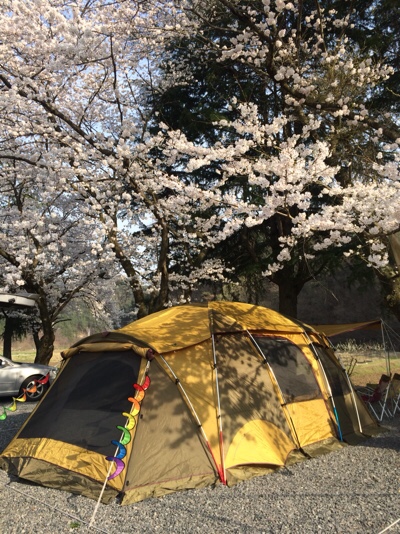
354,490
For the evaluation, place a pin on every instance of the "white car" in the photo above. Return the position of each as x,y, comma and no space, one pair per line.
15,378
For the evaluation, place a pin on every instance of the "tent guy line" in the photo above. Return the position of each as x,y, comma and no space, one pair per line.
390,526
55,508
125,438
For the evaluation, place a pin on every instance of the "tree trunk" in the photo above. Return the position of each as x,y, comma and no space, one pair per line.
46,347
391,289
288,295
132,275
290,281
7,338
36,340
44,352
162,297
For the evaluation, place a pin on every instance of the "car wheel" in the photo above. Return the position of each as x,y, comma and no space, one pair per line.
35,394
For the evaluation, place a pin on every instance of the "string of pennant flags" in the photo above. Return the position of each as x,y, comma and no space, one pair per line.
126,436
22,398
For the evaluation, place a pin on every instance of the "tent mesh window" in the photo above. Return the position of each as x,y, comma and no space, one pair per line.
85,407
337,381
292,371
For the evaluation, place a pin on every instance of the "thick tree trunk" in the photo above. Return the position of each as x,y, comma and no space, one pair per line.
44,352
288,296
391,289
291,278
36,340
290,281
46,347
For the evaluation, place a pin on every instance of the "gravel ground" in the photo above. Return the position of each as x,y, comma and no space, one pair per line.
355,490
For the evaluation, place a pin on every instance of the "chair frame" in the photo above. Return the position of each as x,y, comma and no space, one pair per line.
394,394
378,396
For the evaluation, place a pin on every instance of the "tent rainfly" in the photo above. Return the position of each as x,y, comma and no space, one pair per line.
226,392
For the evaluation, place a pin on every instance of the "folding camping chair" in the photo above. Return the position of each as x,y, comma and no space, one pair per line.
394,394
376,398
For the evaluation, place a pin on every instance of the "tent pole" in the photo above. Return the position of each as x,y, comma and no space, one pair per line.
327,384
388,370
219,416
189,403
283,404
353,397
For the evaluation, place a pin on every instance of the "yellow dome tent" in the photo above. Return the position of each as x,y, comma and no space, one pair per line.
226,392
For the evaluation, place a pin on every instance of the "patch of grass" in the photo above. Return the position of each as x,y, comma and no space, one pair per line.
369,367
23,355
352,346
28,356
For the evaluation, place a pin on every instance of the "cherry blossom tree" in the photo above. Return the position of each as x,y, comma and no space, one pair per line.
82,136
301,148
46,247
84,185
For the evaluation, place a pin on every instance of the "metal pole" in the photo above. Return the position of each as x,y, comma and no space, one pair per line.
221,439
200,426
284,404
351,388
353,399
385,344
327,384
